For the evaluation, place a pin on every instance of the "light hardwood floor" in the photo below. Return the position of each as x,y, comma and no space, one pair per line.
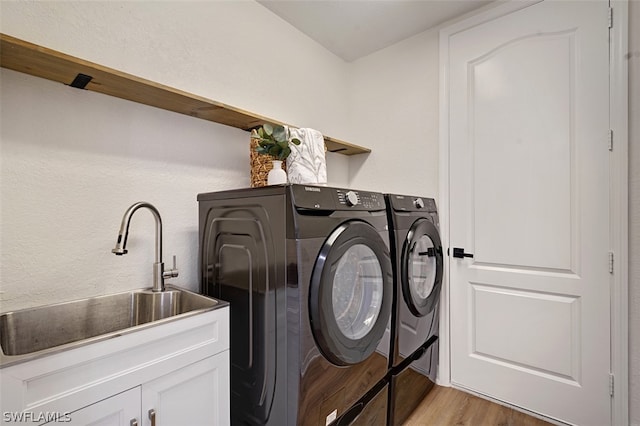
445,406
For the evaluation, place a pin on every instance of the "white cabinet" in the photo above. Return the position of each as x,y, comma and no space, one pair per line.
179,369
122,409
194,395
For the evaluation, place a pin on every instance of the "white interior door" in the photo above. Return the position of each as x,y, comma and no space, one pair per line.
529,198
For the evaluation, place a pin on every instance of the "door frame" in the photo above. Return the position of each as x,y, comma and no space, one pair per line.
618,200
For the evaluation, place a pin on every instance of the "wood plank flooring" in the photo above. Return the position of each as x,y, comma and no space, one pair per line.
445,406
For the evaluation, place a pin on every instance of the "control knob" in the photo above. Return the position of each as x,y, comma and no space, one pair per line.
351,198
418,203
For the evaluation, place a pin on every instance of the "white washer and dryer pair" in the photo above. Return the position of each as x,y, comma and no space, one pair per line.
416,251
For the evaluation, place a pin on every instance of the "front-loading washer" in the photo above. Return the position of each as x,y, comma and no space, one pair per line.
416,250
308,274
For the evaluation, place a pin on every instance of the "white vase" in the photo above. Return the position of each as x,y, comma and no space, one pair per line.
276,175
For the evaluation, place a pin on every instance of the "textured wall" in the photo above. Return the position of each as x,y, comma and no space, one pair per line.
634,212
394,108
236,52
72,161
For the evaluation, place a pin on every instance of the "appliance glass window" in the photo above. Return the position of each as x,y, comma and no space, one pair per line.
357,291
423,267
351,292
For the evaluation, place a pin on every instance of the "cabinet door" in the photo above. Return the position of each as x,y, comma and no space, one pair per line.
119,410
196,395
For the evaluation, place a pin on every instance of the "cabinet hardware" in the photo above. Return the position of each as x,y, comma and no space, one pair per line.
152,417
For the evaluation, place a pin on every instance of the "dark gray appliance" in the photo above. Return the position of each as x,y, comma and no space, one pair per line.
370,410
308,274
417,253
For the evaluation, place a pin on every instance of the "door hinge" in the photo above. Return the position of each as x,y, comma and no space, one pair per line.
611,262
610,17
610,137
611,384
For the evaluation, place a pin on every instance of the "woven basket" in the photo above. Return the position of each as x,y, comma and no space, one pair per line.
260,165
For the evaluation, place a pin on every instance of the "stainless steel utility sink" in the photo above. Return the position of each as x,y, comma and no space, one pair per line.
67,325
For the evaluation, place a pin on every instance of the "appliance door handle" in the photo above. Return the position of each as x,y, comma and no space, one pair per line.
351,415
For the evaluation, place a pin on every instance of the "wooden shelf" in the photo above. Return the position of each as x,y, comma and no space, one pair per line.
29,58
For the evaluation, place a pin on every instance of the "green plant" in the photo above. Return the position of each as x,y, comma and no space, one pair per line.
273,141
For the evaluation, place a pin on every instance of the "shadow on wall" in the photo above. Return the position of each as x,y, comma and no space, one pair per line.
52,114
356,165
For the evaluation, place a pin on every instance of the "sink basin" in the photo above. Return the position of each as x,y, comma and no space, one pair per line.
44,328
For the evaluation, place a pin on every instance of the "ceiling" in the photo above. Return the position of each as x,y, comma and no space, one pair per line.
352,29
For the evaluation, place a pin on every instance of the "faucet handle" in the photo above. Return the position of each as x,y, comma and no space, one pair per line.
173,272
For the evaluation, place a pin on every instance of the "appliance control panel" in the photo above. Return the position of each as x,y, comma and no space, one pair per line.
408,203
327,198
365,200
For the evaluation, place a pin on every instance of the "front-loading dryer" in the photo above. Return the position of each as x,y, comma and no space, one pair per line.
308,274
417,256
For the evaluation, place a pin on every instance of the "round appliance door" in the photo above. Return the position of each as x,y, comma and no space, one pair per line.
421,267
350,293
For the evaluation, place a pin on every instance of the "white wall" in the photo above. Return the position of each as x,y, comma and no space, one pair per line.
72,161
394,110
236,51
634,212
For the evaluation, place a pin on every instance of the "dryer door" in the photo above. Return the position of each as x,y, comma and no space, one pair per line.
350,293
421,267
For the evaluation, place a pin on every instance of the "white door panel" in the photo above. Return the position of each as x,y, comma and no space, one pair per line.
529,191
533,317
531,159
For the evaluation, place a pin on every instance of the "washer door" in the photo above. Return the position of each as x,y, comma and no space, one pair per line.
421,267
350,293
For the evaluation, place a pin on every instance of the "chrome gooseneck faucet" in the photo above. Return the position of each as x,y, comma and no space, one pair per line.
159,274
